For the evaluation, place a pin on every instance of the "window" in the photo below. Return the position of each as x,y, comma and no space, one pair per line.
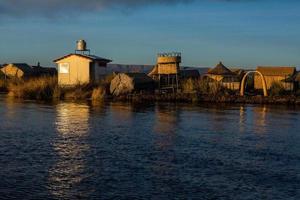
64,68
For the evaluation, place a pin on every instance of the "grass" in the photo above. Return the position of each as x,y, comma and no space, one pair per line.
189,86
3,85
43,88
204,87
277,89
98,93
47,88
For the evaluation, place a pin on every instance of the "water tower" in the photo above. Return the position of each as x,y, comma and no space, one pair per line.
81,48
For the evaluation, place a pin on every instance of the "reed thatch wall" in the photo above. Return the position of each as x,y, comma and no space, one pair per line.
275,74
126,83
17,70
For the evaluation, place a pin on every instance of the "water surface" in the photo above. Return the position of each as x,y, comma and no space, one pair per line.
72,150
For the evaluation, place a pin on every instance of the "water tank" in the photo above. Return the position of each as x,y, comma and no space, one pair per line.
81,45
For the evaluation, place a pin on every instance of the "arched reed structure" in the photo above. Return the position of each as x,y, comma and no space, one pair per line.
242,92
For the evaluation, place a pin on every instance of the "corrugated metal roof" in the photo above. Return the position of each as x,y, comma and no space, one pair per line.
90,57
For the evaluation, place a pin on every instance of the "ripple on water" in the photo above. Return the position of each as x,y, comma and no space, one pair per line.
161,151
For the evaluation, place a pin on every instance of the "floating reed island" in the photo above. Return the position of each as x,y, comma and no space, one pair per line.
191,90
82,75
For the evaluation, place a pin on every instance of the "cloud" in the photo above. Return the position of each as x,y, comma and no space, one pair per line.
21,8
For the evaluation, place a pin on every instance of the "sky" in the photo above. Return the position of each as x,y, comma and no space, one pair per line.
241,33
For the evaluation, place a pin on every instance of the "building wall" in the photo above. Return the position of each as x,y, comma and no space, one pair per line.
79,71
232,85
215,77
100,70
270,80
168,68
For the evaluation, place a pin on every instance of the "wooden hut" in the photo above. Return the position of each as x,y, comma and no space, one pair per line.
219,72
224,76
17,70
80,68
126,83
283,75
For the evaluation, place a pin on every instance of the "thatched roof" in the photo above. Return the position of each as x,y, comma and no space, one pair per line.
276,71
154,71
126,83
89,57
220,69
237,71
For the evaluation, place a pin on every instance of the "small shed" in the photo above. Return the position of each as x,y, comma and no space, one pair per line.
273,74
17,70
78,68
126,83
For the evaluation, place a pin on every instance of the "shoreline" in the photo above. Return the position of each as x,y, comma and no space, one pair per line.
179,98
196,98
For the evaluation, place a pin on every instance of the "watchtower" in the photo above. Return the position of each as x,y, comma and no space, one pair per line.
168,69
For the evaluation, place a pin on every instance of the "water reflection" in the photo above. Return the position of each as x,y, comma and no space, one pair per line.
10,109
243,118
165,122
72,125
165,125
259,117
122,113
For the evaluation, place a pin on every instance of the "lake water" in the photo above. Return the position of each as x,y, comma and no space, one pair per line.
158,151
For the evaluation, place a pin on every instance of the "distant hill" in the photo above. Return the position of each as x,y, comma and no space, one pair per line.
123,68
201,70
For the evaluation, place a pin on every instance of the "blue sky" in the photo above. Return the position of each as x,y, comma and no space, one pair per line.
239,33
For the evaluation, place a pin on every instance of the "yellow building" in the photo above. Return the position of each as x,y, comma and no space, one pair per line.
282,75
80,69
225,76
